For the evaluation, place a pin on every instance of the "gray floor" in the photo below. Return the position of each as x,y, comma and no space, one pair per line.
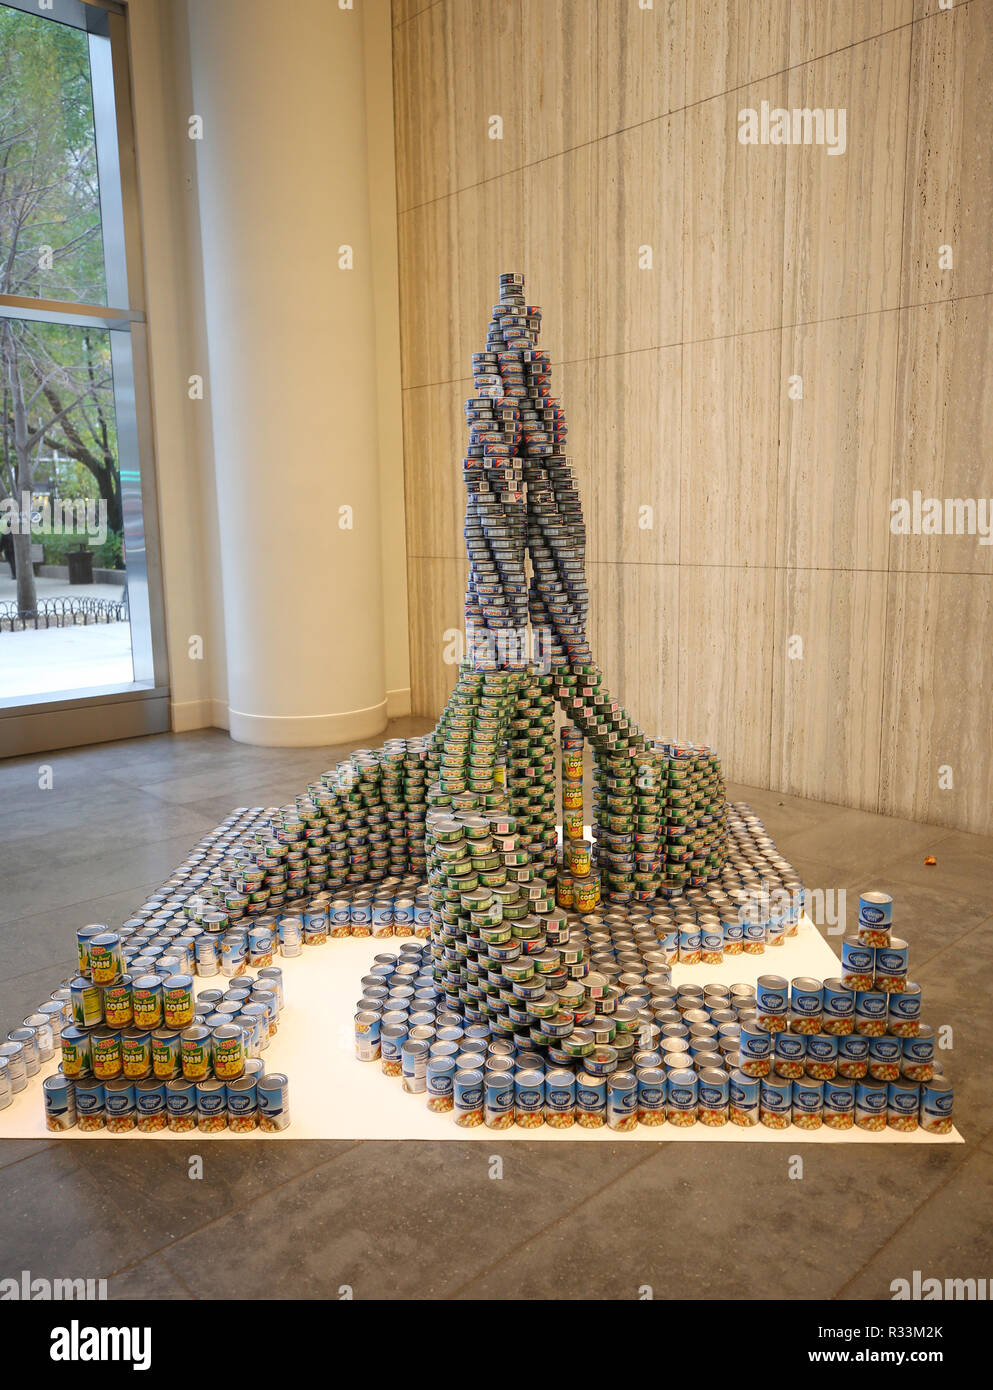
421,1220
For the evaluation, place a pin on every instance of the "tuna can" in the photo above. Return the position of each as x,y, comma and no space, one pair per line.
591,1100
146,997
44,1035
439,1083
853,1056
274,1102
290,932
106,958
75,1045
205,956
243,1104
166,1054
28,1039
195,1052
903,1103
870,1105
105,1054
743,1093
414,1065
498,1098
775,1102
936,1106
713,1097
875,918
90,1112
119,1105
227,1050
682,1099
857,964
87,1003
903,1010
891,966
468,1097
808,1103
150,1105
839,1008
839,1104
60,1102
273,975
212,1105
118,1011
870,1013
529,1098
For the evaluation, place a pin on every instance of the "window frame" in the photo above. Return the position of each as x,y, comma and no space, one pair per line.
141,706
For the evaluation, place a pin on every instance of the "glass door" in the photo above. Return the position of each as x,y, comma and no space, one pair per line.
80,621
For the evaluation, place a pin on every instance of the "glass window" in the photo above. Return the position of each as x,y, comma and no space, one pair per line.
74,595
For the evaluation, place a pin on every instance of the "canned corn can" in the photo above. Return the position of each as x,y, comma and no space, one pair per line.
84,935
105,1054
177,1001
212,1105
243,1104
75,1045
166,1049
87,1003
150,1105
60,1102
273,1091
106,958
146,999
227,1049
118,1011
195,1052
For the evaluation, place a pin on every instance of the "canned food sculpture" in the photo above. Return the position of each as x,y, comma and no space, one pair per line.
536,986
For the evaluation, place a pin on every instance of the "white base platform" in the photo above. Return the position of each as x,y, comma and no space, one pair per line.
333,1096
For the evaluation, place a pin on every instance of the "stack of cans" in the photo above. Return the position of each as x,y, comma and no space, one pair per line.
140,1050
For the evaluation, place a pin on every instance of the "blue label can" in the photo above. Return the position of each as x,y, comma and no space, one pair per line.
440,1083
468,1095
498,1099
776,1102
839,1103
772,994
937,1099
622,1101
591,1100
903,1103
808,1103
652,1095
744,1099
560,1098
681,1105
273,1090
870,1105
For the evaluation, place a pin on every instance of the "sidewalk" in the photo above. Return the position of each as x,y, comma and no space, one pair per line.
60,588
63,658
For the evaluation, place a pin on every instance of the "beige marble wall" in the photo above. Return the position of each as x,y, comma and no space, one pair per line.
743,412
